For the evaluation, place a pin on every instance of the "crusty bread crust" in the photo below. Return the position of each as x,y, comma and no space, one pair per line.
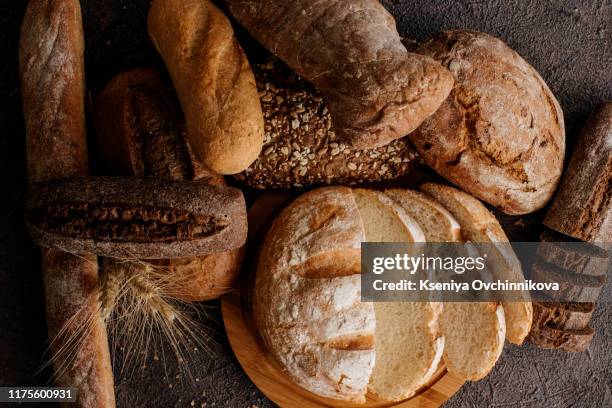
213,80
375,90
479,225
500,135
53,92
314,323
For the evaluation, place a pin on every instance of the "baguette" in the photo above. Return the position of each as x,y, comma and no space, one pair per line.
213,80
300,146
53,91
375,90
147,140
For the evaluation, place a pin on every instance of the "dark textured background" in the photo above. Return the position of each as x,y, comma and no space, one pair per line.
568,42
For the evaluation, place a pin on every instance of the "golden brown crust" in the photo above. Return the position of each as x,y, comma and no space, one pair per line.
375,90
213,80
500,135
53,90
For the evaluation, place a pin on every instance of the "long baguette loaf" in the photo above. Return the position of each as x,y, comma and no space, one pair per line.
300,145
146,139
53,92
375,90
213,80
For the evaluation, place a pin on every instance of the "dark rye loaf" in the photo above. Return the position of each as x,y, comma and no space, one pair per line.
550,337
564,316
579,257
300,145
572,287
582,205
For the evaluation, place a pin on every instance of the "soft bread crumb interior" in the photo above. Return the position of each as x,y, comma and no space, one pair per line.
407,347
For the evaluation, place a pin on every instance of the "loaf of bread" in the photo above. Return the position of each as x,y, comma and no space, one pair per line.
479,225
213,80
582,206
500,135
307,302
146,139
300,146
375,90
53,94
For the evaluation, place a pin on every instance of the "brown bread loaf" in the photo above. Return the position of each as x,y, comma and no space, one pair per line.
572,287
300,146
500,135
578,257
147,139
566,316
550,337
582,205
53,91
213,80
132,217
375,90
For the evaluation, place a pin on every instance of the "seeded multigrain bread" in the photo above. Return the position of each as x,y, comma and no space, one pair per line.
500,135
301,147
376,91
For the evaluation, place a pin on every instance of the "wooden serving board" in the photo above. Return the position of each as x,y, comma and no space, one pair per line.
260,365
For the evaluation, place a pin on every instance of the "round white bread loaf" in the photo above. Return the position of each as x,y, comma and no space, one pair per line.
307,303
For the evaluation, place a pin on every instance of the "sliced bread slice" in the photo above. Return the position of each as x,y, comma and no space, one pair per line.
437,223
551,337
479,225
472,344
408,344
572,287
567,316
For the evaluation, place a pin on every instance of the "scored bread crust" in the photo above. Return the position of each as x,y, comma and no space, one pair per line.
479,225
307,301
500,134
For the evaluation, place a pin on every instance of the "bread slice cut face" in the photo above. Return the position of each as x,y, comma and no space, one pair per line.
479,225
473,332
408,343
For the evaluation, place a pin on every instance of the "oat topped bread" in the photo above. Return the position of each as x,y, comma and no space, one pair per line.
300,145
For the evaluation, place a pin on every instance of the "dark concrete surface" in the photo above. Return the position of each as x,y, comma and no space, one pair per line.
568,42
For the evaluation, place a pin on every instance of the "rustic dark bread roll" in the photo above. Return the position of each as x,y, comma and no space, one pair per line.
375,90
578,257
300,146
132,217
52,75
562,315
550,337
500,135
213,80
572,287
146,138
582,206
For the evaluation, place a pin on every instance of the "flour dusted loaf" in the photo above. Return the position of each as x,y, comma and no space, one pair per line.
301,147
307,303
500,134
479,225
375,90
